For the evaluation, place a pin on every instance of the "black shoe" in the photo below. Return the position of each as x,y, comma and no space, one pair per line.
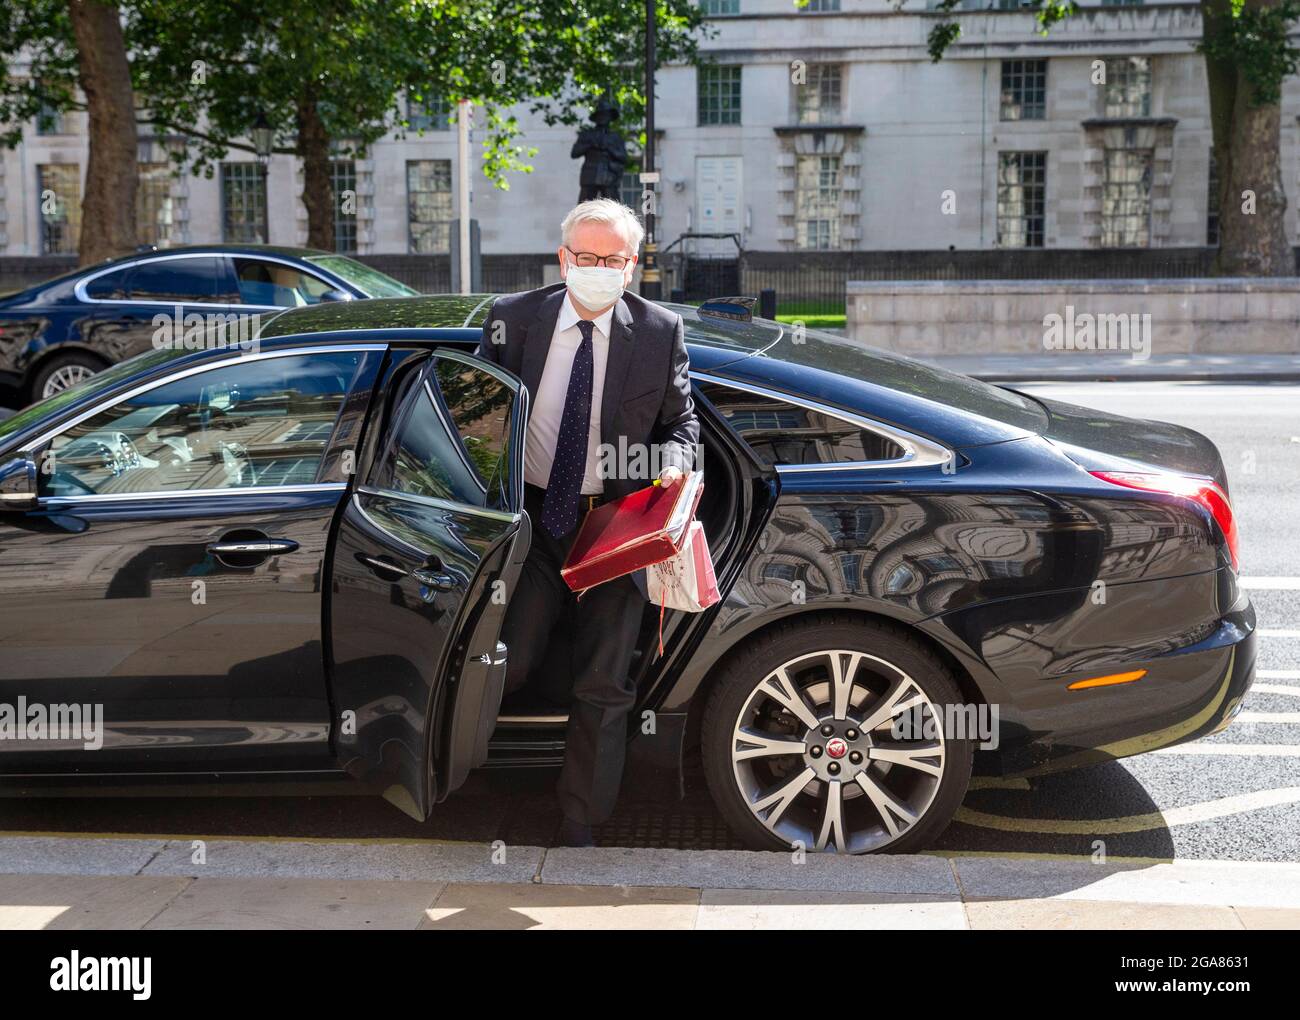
575,833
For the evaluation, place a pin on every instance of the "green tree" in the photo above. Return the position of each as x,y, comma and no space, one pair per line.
1248,55
65,55
330,75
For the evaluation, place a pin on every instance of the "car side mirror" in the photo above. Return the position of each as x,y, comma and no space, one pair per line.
334,294
18,484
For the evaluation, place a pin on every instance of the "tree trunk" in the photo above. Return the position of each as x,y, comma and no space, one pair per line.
1247,150
108,210
317,189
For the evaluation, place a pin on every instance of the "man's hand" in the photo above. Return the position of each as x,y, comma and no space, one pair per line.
669,475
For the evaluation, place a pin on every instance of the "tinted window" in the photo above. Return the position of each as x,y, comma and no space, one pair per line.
785,433
277,284
176,280
109,286
453,442
248,424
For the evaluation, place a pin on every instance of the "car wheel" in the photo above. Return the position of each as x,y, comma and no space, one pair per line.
801,748
62,372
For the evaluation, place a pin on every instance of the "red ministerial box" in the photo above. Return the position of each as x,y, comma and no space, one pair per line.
644,527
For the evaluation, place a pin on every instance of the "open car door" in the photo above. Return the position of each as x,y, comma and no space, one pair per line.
429,547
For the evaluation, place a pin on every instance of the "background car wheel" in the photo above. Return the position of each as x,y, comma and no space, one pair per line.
63,371
799,742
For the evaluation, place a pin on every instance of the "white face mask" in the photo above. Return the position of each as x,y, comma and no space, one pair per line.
594,287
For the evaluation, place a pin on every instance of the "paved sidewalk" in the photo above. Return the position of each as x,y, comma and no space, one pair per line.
60,882
1088,366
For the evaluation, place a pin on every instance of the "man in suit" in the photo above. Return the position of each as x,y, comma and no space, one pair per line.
607,377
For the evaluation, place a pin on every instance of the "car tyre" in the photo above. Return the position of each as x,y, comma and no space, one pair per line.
778,695
62,371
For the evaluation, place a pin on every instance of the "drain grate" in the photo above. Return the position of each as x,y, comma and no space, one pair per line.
660,826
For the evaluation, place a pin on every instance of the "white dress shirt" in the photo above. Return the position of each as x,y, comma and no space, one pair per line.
548,402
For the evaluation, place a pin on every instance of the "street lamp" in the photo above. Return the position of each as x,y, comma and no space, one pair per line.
263,141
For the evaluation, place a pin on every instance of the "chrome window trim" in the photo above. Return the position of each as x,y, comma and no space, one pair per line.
79,289
243,490
504,516
917,450
474,311
237,358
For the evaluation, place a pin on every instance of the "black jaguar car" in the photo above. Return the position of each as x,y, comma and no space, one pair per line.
287,563
62,331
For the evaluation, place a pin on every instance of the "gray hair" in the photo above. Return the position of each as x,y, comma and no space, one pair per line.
605,210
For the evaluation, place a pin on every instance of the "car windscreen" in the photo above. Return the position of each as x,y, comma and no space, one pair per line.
370,282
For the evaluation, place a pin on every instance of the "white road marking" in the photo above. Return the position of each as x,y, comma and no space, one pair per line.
1288,633
1244,750
1286,689
1268,717
1277,674
1269,583
1186,815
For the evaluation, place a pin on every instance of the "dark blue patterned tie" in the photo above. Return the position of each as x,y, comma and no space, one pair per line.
560,507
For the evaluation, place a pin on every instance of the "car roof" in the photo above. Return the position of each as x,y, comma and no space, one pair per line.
763,353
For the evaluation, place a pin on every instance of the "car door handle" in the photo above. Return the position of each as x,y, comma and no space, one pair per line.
434,580
381,566
254,547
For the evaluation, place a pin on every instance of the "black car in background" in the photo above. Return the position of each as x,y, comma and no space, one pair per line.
61,332
284,564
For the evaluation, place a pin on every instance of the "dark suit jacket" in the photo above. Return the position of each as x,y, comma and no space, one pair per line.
647,395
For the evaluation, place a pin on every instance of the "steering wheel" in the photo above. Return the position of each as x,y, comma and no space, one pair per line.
127,456
238,464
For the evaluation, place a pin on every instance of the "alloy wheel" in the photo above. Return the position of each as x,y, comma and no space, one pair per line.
64,377
820,761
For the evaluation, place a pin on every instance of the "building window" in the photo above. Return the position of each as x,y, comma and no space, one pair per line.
243,203
1122,3
343,179
1128,87
630,189
1024,89
819,99
49,120
817,202
714,8
153,205
719,94
1212,204
433,113
58,187
428,205
1022,199
820,6
1126,199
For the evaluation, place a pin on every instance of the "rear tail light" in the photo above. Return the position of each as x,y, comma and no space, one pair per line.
1198,490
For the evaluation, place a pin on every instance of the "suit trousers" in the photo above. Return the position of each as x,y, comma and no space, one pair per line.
605,625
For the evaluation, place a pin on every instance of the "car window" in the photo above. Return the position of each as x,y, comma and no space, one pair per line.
780,432
368,280
109,287
452,441
277,284
175,280
247,424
